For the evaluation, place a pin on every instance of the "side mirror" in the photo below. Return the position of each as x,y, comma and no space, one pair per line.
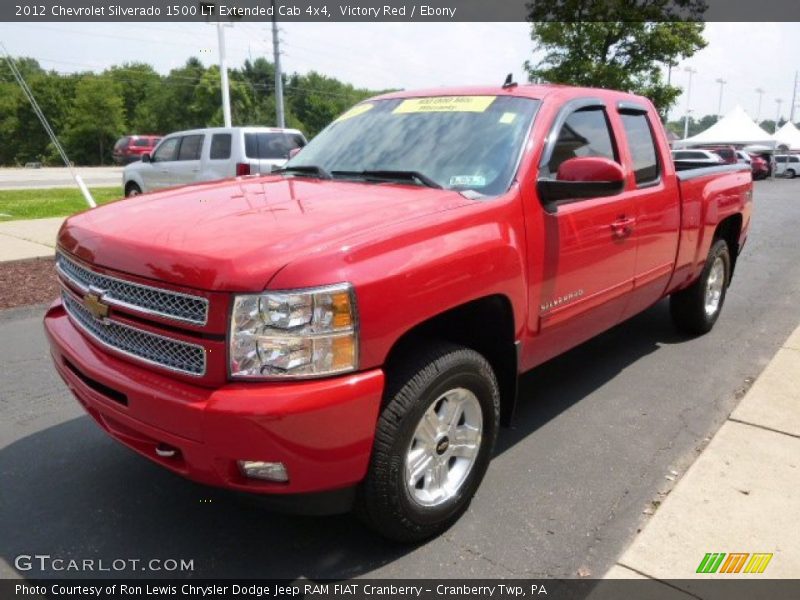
145,157
294,152
584,177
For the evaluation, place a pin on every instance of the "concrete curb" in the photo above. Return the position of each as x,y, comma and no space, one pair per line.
741,495
28,239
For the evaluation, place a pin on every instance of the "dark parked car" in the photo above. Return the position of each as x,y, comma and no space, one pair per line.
130,148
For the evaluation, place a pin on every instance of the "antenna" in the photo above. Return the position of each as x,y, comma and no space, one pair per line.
509,82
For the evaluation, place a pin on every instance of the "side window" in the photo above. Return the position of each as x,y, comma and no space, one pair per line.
642,145
780,159
191,146
220,146
586,132
167,150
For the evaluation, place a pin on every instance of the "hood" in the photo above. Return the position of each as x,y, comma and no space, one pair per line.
236,234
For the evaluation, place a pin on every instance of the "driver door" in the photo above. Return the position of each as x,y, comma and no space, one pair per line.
585,248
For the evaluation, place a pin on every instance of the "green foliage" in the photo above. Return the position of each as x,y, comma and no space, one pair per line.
616,44
95,121
317,99
89,111
695,125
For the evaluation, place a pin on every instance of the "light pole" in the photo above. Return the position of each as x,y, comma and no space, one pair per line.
760,93
209,10
778,101
223,73
721,83
691,72
276,57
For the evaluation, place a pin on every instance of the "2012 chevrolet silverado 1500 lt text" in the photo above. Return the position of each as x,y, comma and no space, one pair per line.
350,329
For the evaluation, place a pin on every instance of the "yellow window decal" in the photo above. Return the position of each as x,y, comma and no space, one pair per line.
508,118
445,104
358,109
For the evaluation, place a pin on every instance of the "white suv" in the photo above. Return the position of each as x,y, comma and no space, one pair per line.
199,155
787,165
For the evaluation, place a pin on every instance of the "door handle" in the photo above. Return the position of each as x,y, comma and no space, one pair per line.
622,228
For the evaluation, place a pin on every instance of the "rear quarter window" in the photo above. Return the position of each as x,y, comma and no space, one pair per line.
271,145
642,145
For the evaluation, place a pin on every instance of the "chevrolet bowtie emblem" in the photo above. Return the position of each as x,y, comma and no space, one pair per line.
95,306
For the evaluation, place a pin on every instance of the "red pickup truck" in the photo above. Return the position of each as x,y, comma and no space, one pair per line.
349,331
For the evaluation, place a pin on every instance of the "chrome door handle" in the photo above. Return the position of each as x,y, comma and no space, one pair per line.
623,227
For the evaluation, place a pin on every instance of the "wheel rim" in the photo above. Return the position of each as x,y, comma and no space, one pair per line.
444,448
714,286
133,192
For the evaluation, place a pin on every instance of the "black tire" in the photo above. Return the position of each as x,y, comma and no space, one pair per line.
688,306
384,502
132,190
790,173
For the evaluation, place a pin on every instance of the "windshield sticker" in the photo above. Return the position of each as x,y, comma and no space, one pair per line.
467,181
508,118
358,109
476,104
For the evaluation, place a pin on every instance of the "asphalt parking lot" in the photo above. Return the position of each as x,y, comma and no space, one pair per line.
598,435
55,177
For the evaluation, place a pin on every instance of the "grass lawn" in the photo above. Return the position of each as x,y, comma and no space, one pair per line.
56,202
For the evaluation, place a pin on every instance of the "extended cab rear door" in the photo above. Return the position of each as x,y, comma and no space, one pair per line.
653,189
583,245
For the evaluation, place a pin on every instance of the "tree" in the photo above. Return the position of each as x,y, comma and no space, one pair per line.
96,120
617,44
137,82
316,99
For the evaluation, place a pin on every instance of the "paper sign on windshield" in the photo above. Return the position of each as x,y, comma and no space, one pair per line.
445,104
358,109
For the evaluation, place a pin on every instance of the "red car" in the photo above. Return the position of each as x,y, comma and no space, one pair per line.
350,328
727,153
759,167
130,148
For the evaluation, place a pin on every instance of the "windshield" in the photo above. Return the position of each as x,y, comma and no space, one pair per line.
458,142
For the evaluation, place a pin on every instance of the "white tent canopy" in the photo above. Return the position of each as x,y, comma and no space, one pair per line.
736,128
788,136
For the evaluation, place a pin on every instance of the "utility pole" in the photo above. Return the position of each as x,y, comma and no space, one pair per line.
721,83
276,58
778,101
223,73
87,195
794,98
760,93
691,72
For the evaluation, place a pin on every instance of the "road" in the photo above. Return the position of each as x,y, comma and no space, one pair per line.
56,177
598,434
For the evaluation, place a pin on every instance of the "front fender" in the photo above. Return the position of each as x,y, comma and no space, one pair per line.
408,273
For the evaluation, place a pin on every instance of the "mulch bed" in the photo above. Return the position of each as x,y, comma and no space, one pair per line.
29,281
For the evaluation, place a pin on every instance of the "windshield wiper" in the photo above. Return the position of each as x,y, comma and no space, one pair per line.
387,174
305,170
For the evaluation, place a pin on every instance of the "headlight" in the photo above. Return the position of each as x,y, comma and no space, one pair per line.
302,333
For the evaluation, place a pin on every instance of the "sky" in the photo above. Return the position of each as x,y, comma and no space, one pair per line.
416,55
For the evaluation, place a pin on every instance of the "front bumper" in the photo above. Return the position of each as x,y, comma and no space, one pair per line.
321,430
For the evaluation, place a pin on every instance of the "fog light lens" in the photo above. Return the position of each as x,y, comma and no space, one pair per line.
270,471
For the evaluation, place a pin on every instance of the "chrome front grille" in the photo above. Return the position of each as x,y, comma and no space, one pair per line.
135,296
151,348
